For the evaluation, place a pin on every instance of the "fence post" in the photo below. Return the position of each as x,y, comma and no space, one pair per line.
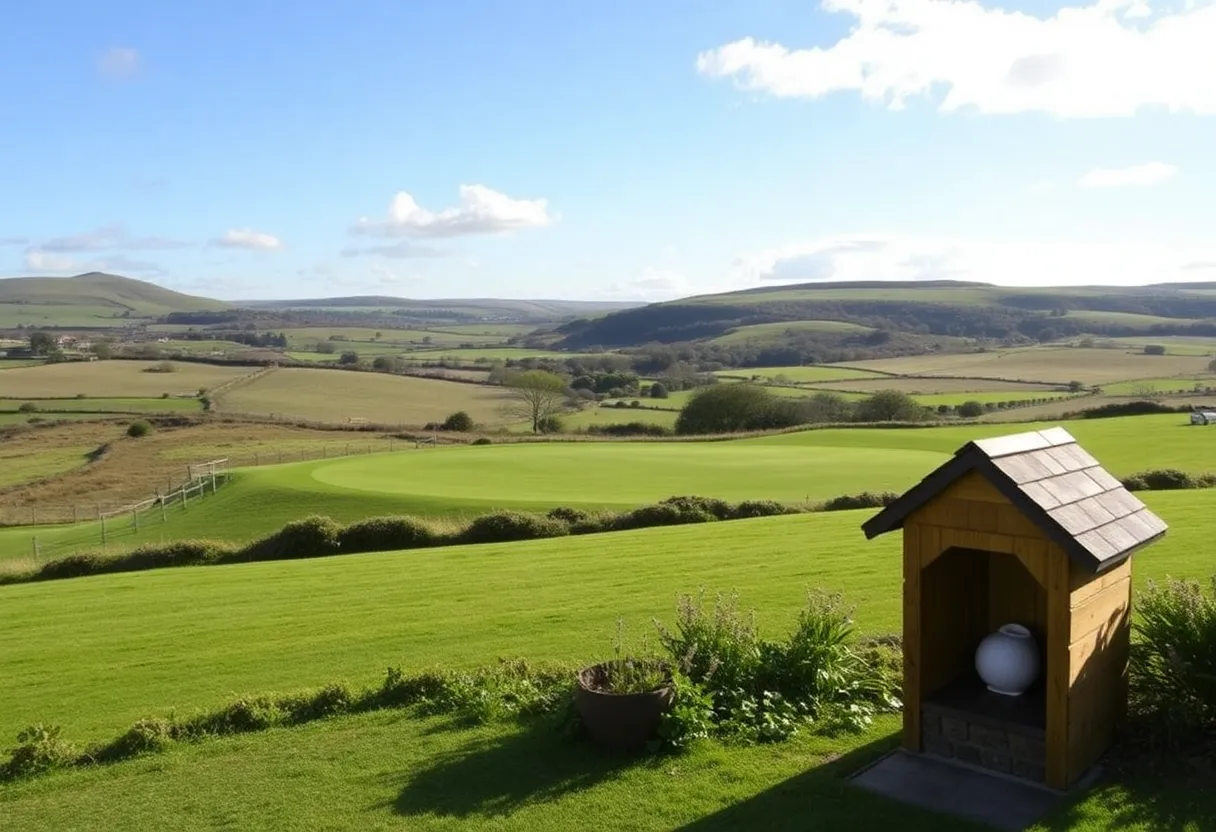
35,550
214,487
103,527
185,496
257,459
135,519
162,497
347,449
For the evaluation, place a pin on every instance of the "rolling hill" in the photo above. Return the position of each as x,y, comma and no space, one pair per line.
93,299
937,308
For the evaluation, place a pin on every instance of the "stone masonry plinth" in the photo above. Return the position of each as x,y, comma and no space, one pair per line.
1004,734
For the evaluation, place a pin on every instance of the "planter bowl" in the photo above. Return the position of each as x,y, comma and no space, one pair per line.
620,721
1008,660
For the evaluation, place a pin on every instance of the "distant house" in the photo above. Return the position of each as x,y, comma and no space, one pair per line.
1203,417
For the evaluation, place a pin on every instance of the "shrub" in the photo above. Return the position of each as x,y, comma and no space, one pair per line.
1139,408
40,748
505,526
331,700
384,534
659,514
348,359
760,508
27,407
720,509
1165,479
567,515
71,566
399,690
148,736
137,429
866,499
161,367
1173,661
550,424
173,553
890,406
308,538
250,713
658,391
970,409
458,421
482,440
630,429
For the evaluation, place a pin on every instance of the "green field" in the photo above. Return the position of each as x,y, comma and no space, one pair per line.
104,379
489,354
105,405
779,332
1090,316
158,632
1151,386
337,396
1174,344
592,415
18,465
461,481
799,375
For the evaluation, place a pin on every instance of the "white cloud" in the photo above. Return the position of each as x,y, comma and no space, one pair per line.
248,239
398,251
42,262
1135,176
14,241
120,62
651,284
1106,59
481,211
107,238
1004,262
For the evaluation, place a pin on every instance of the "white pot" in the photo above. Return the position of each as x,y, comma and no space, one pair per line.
1008,660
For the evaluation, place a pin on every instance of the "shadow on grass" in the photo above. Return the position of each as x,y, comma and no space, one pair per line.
496,776
1162,795
822,798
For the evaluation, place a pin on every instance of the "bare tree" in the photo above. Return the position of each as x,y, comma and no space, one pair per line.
535,395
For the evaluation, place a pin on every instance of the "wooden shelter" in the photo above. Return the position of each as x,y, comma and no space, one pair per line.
1025,529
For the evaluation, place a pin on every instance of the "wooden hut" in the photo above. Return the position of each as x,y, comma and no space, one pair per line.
1025,529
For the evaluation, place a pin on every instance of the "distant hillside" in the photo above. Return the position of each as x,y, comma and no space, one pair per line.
481,308
96,295
930,308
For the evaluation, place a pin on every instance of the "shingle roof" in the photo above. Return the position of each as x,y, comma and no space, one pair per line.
1056,484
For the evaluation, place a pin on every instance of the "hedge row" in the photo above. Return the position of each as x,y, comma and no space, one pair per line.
509,689
1168,479
318,536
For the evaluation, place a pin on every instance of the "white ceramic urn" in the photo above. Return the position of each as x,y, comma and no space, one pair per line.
1008,660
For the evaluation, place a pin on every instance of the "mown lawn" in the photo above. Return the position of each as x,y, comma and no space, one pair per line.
94,654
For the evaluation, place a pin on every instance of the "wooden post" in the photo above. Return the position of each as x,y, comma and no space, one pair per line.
257,458
135,518
163,497
185,496
33,516
347,449
103,527
214,487
35,549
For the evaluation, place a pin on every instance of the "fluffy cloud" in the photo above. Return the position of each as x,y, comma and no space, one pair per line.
120,62
1005,262
107,238
651,284
1107,59
481,211
1135,176
42,262
397,251
248,239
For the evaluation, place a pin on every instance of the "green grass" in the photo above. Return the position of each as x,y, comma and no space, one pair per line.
1151,386
158,632
1091,316
14,418
800,375
489,354
1174,344
106,405
18,466
593,415
779,332
105,379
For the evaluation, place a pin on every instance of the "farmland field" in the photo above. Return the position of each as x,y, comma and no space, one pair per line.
21,464
1174,344
488,354
800,375
591,415
106,405
1148,386
13,315
923,385
336,396
1129,319
778,332
1055,365
103,379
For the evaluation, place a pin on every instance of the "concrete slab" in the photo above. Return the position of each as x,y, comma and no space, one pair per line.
949,788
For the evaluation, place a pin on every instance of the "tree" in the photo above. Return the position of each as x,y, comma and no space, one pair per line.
42,343
1154,349
826,408
348,359
387,363
725,408
325,347
890,406
658,391
1075,386
971,409
1212,366
102,350
536,395
459,421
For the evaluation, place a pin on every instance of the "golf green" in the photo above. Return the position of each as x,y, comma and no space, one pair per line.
628,474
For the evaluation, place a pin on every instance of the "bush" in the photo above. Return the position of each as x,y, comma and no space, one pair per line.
71,566
567,515
866,499
760,508
161,367
630,429
1165,479
148,736
137,429
550,424
658,391
659,514
970,409
720,509
384,534
482,440
890,406
1173,661
308,538
459,421
505,526
1139,408
173,553
40,748
27,407
331,700
725,408
348,359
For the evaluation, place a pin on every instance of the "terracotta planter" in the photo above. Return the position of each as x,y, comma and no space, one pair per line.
620,721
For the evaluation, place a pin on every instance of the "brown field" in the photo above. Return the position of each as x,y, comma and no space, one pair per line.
135,469
113,379
337,396
1057,365
1053,410
932,385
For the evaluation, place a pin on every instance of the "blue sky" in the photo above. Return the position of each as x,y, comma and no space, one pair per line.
637,150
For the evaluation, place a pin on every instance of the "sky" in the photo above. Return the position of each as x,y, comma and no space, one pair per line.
636,150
